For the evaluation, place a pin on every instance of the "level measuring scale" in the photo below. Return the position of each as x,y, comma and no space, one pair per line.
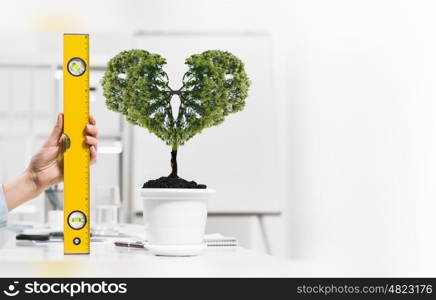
76,156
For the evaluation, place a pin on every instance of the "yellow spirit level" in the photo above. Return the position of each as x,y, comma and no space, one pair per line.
76,157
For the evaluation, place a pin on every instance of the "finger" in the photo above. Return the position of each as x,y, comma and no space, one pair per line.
93,152
62,143
91,130
92,120
56,133
91,141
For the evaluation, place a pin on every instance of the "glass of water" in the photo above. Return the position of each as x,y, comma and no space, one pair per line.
107,207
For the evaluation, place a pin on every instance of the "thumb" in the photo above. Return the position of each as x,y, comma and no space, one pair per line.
56,133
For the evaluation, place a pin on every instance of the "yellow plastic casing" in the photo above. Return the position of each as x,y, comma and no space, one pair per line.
76,156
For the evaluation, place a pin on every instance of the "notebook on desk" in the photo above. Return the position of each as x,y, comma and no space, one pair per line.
218,240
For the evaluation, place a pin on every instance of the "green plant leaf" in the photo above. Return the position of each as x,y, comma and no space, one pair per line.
214,86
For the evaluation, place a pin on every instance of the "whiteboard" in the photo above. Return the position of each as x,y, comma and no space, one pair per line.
239,158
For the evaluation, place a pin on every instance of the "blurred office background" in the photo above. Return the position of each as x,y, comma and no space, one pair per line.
353,86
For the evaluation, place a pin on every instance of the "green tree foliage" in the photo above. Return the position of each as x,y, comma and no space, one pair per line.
214,86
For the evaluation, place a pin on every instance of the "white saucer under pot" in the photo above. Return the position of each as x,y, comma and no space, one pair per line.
175,220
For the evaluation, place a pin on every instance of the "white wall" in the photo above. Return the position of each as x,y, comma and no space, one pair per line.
356,85
363,134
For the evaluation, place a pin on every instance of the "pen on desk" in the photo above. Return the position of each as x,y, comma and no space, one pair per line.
130,244
214,243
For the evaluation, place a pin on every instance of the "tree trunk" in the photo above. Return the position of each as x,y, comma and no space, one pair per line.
174,164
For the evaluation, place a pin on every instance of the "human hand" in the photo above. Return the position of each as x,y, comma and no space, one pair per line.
47,165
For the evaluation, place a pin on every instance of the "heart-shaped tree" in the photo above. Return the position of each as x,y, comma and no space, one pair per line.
214,86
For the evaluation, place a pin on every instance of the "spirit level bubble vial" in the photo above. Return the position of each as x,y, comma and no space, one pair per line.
76,156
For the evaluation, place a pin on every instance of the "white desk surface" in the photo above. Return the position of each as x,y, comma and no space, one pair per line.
27,259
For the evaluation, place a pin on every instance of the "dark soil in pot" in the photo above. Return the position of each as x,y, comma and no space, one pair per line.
172,181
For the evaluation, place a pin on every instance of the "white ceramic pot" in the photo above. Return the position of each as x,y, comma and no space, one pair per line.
175,220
